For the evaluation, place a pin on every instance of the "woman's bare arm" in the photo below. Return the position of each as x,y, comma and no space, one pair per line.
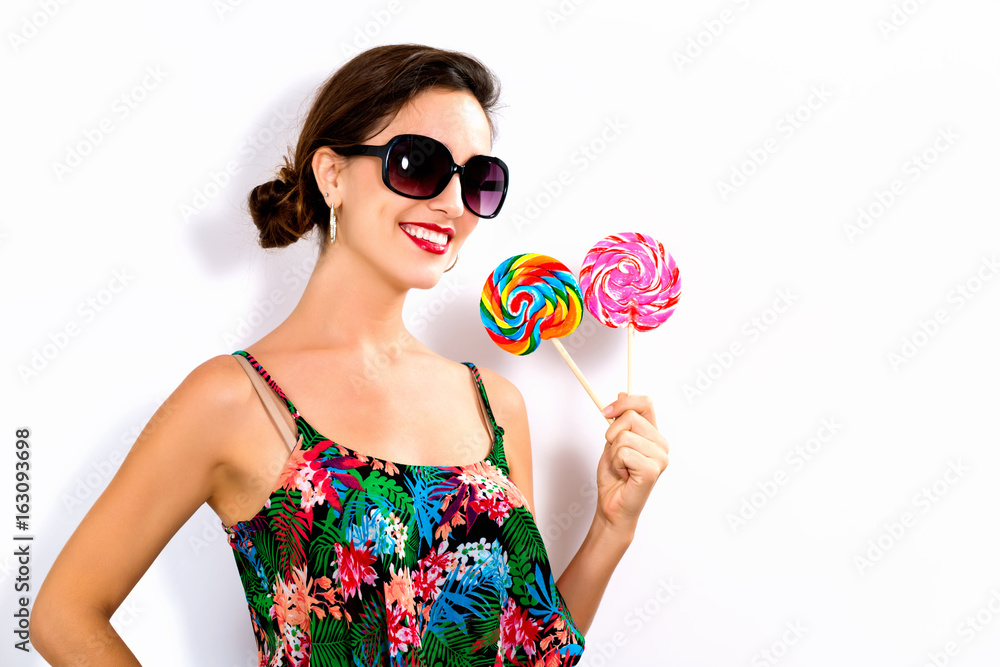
169,472
586,577
635,455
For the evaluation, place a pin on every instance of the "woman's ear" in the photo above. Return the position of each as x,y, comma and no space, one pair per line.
327,167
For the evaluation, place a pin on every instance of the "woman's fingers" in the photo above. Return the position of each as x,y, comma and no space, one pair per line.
634,413
643,405
638,454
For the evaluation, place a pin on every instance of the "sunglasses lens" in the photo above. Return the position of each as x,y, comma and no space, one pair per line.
483,185
417,166
421,167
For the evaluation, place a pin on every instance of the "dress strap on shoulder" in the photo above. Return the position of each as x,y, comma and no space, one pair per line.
497,429
261,381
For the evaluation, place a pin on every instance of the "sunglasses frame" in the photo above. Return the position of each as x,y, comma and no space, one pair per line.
382,152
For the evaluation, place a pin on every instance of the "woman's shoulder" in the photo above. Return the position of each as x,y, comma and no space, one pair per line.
215,394
218,381
506,400
496,384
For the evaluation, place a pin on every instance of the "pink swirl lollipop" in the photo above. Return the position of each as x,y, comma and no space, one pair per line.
628,279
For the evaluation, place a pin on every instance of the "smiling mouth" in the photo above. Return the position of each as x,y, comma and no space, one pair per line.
425,234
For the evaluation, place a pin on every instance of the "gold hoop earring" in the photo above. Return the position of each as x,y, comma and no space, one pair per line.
452,264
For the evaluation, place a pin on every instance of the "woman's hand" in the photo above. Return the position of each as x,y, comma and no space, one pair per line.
635,454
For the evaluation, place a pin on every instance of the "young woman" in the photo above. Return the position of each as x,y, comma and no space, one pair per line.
392,521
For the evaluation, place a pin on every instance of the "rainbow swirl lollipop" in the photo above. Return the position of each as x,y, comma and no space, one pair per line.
528,298
629,279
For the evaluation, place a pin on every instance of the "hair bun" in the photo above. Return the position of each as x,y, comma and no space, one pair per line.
274,212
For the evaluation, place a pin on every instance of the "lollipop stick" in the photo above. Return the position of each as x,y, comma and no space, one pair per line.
579,376
631,338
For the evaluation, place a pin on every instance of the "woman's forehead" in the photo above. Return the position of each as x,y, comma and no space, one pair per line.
455,118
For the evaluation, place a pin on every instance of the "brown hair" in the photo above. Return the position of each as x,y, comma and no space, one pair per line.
358,101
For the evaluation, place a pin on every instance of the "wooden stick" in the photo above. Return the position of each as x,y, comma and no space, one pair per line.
579,376
631,339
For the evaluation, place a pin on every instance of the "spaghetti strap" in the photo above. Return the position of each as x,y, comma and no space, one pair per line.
497,429
271,402
271,383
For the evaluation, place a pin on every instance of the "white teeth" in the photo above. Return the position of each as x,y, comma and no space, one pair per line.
425,234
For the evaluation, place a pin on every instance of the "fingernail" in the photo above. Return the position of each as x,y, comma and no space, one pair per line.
608,410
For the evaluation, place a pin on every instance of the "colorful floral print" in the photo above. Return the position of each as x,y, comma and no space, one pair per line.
359,561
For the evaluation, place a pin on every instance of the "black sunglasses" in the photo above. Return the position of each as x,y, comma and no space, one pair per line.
419,167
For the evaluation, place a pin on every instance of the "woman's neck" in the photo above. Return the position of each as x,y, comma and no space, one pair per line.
348,304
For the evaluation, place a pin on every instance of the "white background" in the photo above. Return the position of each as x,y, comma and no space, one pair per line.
891,79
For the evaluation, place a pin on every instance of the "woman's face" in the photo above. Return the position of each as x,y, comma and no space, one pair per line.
372,220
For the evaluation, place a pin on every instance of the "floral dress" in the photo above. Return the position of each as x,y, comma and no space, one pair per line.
360,561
